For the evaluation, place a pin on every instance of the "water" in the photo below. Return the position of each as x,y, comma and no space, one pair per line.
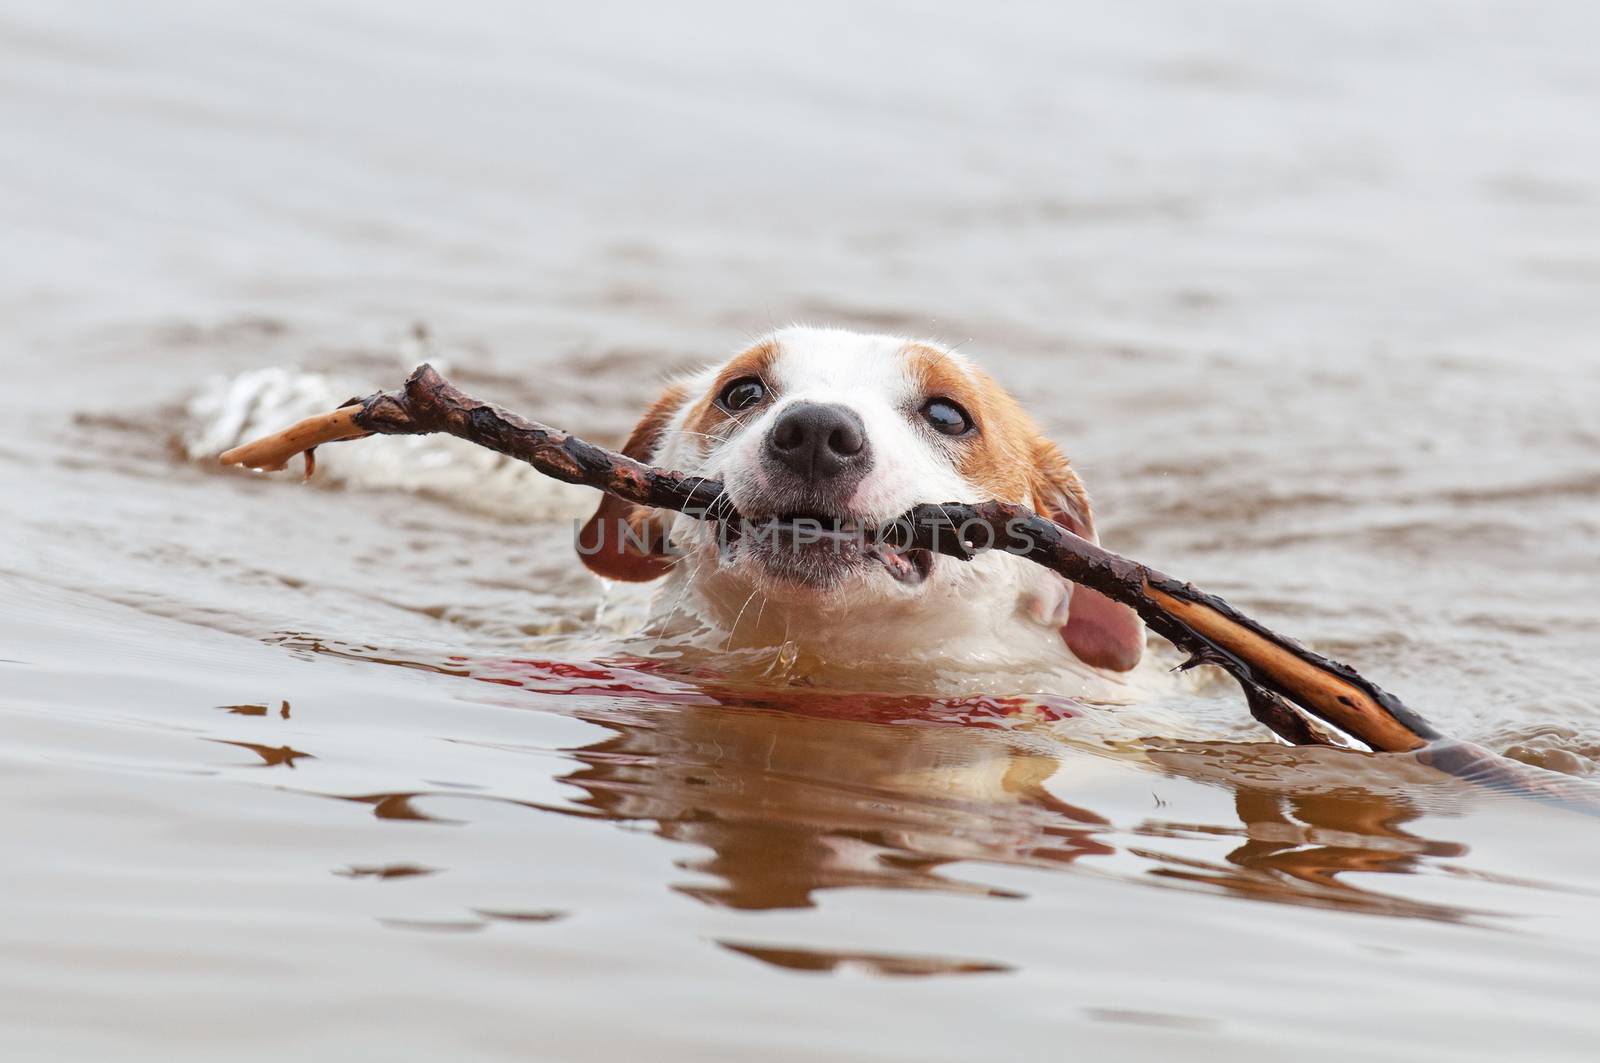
367,767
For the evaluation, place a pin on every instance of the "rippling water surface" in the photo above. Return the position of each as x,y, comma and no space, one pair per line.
371,766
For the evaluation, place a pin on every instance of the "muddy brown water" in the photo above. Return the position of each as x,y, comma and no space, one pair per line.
362,769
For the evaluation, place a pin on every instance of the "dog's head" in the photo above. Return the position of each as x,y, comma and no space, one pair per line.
821,437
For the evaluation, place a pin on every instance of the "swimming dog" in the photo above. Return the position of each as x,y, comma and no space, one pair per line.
822,438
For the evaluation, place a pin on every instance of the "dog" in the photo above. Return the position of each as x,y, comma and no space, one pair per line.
820,436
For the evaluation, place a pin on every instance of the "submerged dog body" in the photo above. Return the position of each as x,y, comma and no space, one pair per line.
822,437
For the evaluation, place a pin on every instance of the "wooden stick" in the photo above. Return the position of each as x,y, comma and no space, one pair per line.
430,404
273,452
1273,670
1205,626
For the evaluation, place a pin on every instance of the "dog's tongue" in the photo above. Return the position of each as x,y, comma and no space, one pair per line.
899,565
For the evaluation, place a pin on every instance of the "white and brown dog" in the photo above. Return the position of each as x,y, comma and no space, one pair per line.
846,432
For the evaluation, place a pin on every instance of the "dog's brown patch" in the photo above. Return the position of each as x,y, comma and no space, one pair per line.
998,458
1010,459
706,418
623,541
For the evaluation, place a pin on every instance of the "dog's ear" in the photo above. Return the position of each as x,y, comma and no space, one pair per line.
1101,632
624,541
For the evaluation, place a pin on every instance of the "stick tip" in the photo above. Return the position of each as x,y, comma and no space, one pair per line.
245,456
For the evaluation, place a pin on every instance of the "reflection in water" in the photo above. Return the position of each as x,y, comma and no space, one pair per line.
1295,848
547,915
827,961
790,791
397,806
789,804
271,756
255,710
385,871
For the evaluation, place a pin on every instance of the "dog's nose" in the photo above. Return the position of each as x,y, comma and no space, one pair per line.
818,440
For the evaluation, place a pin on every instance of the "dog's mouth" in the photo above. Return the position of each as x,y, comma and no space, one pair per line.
820,549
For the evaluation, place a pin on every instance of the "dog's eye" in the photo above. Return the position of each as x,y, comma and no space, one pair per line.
742,394
947,417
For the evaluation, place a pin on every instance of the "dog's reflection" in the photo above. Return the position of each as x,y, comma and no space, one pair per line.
787,803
